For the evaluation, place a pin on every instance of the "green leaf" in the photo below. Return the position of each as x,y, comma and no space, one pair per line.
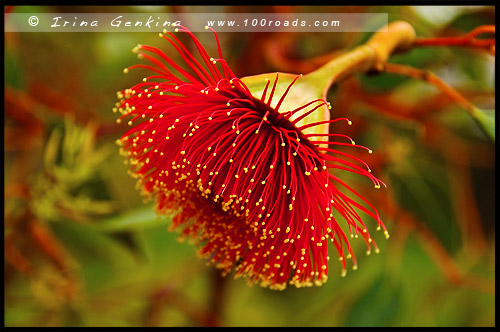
139,219
486,121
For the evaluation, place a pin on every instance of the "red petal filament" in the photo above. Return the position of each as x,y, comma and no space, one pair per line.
254,192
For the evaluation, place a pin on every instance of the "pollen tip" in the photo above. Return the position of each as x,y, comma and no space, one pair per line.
368,252
355,267
176,29
206,27
370,151
343,273
125,70
160,35
165,30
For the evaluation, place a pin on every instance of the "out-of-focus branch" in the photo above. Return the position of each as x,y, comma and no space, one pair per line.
430,78
468,40
444,261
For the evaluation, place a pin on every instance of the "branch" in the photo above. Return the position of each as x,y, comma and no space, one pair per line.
394,37
431,78
468,40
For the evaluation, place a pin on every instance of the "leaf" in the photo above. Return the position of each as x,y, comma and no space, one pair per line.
102,257
135,220
52,149
486,121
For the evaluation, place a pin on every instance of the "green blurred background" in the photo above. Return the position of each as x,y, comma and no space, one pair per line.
83,249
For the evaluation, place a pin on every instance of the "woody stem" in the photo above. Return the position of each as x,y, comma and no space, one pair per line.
394,37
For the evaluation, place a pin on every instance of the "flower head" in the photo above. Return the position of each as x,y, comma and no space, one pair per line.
258,193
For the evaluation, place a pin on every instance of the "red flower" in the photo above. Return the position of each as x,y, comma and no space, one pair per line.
256,193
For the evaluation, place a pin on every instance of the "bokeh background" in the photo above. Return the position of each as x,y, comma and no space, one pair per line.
83,249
